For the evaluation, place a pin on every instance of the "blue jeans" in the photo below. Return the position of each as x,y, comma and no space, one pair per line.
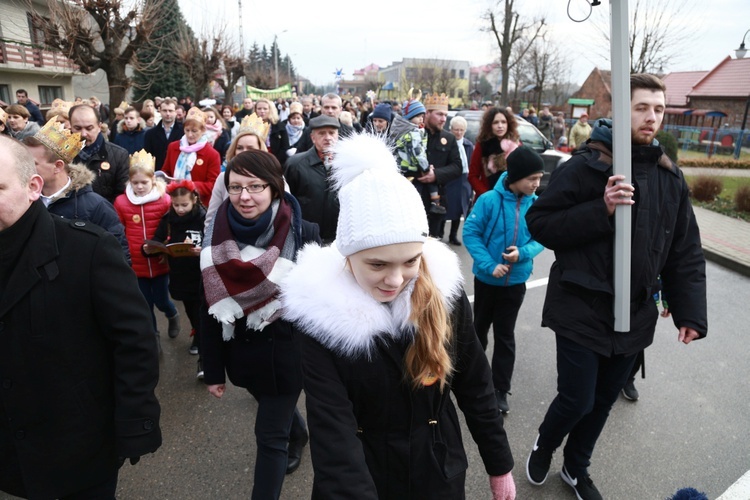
156,292
587,386
276,422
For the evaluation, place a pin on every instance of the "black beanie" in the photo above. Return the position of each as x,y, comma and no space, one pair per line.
522,163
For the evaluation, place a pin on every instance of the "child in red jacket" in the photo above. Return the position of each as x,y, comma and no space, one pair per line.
140,209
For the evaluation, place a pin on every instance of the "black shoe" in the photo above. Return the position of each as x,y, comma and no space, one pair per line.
199,372
454,241
437,209
537,465
582,485
629,392
502,402
174,326
294,452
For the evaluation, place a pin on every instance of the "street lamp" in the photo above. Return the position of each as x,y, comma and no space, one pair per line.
276,58
742,50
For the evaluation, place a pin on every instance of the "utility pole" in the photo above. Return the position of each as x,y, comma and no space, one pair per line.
242,54
276,60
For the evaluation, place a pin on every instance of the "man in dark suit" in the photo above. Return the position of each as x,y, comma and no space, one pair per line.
79,369
330,106
165,132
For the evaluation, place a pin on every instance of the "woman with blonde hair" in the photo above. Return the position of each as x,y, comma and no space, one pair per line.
388,337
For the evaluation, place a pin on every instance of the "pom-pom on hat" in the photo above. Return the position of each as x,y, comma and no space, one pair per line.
378,205
522,163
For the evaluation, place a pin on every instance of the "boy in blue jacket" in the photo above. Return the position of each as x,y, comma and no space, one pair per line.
496,236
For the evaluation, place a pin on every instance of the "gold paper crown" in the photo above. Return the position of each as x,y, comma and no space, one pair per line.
60,141
197,115
254,123
123,106
434,101
61,106
142,159
3,116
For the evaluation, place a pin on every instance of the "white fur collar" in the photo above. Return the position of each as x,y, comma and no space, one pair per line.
325,301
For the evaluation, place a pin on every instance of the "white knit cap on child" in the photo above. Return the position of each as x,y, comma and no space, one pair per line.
378,205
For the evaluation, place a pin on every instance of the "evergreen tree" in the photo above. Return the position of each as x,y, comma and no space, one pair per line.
160,72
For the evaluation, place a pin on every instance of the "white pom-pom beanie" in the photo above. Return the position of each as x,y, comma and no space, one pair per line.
378,205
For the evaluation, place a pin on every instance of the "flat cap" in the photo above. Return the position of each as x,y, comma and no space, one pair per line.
324,121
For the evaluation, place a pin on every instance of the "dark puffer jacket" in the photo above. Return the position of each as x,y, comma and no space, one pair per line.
571,218
80,201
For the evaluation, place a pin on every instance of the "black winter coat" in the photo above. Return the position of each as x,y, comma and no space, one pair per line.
570,217
78,361
398,443
310,182
265,362
110,166
442,153
184,272
156,141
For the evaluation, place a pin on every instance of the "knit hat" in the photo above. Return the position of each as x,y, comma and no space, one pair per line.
382,111
378,205
412,109
522,163
295,107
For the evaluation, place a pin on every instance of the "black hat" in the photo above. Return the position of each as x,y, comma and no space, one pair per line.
522,163
324,121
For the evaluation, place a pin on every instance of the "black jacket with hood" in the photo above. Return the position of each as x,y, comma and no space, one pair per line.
571,218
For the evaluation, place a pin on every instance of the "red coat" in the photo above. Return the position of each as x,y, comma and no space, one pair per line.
206,169
477,177
140,223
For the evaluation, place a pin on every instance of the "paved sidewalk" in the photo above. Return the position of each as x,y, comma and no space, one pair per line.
726,241
720,172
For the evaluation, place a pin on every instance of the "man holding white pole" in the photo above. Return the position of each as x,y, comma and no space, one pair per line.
575,218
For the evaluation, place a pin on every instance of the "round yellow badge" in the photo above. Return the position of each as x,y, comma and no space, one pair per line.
105,165
199,162
136,218
443,141
429,379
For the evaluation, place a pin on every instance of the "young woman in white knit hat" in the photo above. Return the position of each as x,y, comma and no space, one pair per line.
388,335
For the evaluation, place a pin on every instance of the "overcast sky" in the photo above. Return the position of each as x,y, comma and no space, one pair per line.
350,35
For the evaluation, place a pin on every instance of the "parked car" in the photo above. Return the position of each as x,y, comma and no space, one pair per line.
529,136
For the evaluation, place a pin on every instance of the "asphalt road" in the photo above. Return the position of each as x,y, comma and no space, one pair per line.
690,427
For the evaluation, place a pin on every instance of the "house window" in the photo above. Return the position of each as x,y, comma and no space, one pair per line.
411,74
453,73
48,93
5,94
461,74
460,93
428,74
36,33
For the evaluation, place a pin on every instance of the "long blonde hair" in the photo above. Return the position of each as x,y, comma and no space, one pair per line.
429,356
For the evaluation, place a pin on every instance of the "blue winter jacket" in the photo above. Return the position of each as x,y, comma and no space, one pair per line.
497,221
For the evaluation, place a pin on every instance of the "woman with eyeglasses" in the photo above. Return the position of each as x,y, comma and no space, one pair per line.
249,246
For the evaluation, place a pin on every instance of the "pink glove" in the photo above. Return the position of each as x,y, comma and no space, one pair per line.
503,487
508,147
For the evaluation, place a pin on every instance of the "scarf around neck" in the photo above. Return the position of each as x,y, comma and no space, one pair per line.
242,280
188,156
294,132
91,149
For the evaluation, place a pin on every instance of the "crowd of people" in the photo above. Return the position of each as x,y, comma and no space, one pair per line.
243,215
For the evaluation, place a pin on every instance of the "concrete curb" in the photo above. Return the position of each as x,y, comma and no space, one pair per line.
729,263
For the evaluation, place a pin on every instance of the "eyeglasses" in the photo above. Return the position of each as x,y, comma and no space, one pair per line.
236,189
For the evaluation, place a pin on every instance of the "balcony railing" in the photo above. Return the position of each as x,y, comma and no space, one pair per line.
12,52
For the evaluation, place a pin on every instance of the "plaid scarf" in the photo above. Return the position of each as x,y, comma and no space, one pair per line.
244,281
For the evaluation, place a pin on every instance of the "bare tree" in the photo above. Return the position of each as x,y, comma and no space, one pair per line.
509,32
549,68
202,57
657,31
234,69
99,34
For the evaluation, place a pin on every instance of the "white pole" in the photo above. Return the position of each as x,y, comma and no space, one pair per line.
621,159
242,53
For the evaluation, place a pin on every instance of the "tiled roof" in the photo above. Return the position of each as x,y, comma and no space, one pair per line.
731,78
679,84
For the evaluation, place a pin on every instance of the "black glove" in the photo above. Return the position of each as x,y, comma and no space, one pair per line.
121,461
